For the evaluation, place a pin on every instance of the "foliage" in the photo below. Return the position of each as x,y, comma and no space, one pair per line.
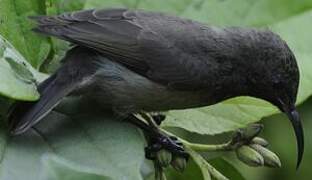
77,143
17,80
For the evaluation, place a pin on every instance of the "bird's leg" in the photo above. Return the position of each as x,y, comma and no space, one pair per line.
149,120
157,139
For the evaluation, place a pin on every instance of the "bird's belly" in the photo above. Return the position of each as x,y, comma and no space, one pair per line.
147,98
158,100
125,90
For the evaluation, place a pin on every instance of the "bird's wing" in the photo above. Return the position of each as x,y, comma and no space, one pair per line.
150,44
23,115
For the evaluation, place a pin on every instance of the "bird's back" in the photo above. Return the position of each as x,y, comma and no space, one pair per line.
175,52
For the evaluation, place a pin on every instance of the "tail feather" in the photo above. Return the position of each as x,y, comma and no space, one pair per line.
24,115
27,114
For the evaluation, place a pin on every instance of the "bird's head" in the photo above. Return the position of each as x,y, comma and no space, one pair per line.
275,78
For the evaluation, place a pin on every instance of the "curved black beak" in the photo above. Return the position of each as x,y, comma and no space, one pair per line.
294,117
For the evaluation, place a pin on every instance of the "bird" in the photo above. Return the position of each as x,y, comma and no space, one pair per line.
134,61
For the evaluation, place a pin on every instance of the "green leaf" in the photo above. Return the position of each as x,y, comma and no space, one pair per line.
87,146
284,18
17,79
16,28
220,118
56,168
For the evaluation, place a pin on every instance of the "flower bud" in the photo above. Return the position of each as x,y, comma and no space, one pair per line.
260,141
164,157
249,156
270,158
179,163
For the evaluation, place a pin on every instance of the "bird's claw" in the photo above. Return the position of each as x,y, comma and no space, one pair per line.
170,144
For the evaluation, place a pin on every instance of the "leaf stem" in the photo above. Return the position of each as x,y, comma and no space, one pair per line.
214,172
203,147
209,147
205,166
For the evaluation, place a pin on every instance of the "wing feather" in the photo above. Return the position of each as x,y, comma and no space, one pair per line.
150,44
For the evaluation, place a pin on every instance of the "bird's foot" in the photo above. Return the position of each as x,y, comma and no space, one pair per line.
163,142
166,151
160,145
158,140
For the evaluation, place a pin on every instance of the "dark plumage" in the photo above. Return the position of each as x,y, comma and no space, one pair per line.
133,61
